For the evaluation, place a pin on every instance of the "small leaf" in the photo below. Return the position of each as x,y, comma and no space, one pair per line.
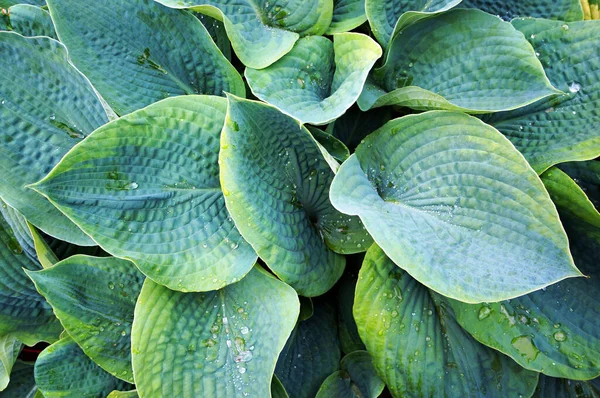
46,107
357,378
311,353
218,344
137,52
101,323
388,17
27,20
276,184
454,204
317,81
561,128
565,10
416,344
277,389
63,370
347,15
10,347
262,32
464,60
146,188
561,321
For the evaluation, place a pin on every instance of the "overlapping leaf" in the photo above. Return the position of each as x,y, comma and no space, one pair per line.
153,53
276,183
262,32
101,323
387,18
22,384
347,15
556,330
565,10
463,60
218,344
28,20
10,347
452,202
63,370
146,188
550,387
311,353
317,81
563,128
46,107
417,346
357,378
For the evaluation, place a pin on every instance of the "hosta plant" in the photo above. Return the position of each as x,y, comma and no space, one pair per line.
322,198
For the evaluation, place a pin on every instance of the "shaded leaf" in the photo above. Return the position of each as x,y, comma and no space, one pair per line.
354,125
347,15
46,107
262,32
154,53
218,344
22,383
28,20
357,378
10,347
416,344
347,331
146,188
454,204
565,10
277,389
463,60
97,315
587,176
550,387
317,81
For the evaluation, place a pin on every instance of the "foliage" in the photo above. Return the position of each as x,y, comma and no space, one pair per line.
323,198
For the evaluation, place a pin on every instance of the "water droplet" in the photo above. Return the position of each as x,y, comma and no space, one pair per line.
111,285
525,346
2,102
484,312
124,333
244,356
225,320
574,87
301,82
242,370
394,314
559,336
532,36
131,186
244,330
565,27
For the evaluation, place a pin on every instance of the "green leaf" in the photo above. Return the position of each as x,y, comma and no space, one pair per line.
555,331
354,125
46,107
453,203
562,128
311,353
100,323
27,20
262,32
146,189
276,183
277,389
63,370
10,3
23,311
463,60
550,387
334,147
10,347
20,230
218,344
357,378
153,53
416,344
347,331
317,81
44,253
216,30
123,394
565,10
22,383
387,18
347,15
587,176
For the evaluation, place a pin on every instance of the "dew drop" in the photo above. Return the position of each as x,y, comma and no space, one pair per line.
242,370
574,87
559,336
244,330
484,312
565,27
123,333
111,285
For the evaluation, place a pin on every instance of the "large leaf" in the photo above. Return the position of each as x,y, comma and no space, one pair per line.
357,378
276,183
23,312
46,107
453,203
417,346
463,60
318,80
565,10
63,370
388,17
27,20
262,32
97,315
10,347
555,331
153,53
311,353
217,344
550,387
563,128
347,15
146,188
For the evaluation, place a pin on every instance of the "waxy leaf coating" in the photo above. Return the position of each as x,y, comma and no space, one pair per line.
452,202
217,344
146,188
